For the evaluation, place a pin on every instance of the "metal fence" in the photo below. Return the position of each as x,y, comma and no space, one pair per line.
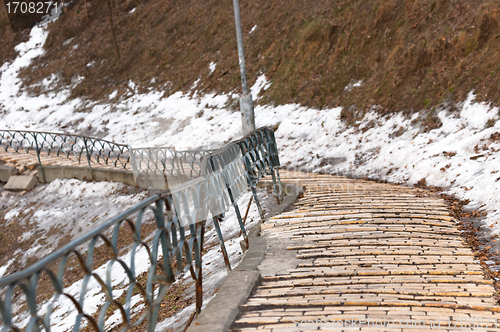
151,166
165,232
168,251
73,147
248,159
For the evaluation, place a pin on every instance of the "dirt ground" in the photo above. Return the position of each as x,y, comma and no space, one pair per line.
409,54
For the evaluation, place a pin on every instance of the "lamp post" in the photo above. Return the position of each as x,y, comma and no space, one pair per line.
246,103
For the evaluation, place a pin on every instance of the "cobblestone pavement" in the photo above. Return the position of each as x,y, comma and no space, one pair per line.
367,256
29,160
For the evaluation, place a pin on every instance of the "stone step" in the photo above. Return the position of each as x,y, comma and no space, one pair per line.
21,182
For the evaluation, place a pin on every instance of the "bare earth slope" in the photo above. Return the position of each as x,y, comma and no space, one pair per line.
410,54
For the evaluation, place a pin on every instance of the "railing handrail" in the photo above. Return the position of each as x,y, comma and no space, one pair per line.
100,151
219,159
156,163
65,134
229,176
55,255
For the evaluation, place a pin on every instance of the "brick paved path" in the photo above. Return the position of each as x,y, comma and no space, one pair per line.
359,252
30,160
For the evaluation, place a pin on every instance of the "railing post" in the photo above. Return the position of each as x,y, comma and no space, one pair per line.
199,279
280,187
256,198
246,213
272,149
275,186
88,158
221,242
236,210
38,156
238,215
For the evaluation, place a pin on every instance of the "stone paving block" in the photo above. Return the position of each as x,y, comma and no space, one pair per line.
21,182
397,254
6,172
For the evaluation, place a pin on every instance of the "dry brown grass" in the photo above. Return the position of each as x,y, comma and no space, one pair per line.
410,54
8,39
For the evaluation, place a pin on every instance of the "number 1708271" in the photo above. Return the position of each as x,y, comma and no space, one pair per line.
29,7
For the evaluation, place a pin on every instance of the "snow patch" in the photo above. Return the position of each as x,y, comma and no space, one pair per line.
11,214
352,85
211,67
4,268
261,84
72,207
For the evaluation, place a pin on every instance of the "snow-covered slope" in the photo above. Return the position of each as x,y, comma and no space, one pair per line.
310,139
462,156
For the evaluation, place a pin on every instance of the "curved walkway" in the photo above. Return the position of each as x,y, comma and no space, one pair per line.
360,255
30,160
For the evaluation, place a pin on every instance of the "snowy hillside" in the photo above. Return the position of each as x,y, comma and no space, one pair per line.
389,148
462,156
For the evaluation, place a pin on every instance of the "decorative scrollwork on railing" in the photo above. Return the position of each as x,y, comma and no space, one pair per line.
260,153
105,152
245,160
17,140
164,238
147,248
73,147
152,165
66,145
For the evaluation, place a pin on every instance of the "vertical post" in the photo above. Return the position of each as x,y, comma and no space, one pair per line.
280,187
88,158
199,279
238,215
254,192
246,103
275,185
246,213
221,242
38,156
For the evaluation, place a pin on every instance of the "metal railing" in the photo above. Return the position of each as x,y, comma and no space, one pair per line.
73,147
152,165
170,241
250,159
168,249
260,153
145,162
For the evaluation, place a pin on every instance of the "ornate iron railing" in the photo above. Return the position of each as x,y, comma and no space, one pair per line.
74,147
250,159
260,156
149,250
145,162
260,153
152,165
167,250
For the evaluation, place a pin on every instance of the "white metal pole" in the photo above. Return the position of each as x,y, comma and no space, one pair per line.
246,103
